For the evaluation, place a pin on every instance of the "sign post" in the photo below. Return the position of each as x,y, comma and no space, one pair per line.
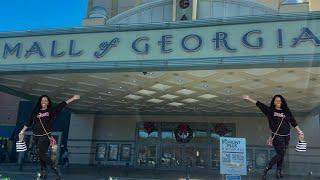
233,161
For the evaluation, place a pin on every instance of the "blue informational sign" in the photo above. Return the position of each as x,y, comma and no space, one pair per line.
233,158
233,177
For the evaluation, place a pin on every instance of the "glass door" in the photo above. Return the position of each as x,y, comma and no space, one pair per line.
147,155
196,155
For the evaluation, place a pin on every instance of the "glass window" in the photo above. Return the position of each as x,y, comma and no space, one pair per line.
125,152
219,130
113,152
250,160
167,135
148,131
215,158
101,150
145,135
196,156
261,158
222,129
147,155
167,132
171,156
200,136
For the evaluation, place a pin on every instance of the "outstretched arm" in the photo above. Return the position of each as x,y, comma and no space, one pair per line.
60,106
75,97
249,99
264,108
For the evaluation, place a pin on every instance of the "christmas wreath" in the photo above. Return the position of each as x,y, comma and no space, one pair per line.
149,127
183,133
220,129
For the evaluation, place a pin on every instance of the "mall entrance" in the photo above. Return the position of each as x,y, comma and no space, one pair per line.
161,149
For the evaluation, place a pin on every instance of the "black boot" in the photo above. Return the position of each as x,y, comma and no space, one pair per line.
279,174
43,174
56,172
265,171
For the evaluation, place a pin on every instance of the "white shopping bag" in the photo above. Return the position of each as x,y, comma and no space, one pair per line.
301,146
21,146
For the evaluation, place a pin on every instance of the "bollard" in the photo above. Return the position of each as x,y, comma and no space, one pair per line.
187,172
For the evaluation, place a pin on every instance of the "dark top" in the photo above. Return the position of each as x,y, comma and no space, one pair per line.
46,117
275,116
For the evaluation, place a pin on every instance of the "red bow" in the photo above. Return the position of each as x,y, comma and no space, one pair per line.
148,126
183,127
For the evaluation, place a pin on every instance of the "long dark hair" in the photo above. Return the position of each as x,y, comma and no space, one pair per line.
37,108
284,105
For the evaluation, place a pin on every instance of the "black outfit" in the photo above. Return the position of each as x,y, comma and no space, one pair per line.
41,139
281,139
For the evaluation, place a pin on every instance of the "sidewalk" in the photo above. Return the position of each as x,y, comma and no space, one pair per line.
77,172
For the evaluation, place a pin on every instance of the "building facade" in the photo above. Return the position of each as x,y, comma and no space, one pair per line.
145,68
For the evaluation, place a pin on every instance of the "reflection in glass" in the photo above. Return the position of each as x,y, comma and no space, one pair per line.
261,157
147,155
249,160
125,152
144,135
171,156
167,135
200,136
196,156
101,152
113,152
215,158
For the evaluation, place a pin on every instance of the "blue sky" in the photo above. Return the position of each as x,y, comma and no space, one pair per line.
20,15
17,15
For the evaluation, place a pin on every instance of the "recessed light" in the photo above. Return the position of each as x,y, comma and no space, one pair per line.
132,96
207,96
185,92
175,104
146,92
169,96
154,100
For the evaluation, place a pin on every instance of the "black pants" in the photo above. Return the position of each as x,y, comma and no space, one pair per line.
42,144
280,144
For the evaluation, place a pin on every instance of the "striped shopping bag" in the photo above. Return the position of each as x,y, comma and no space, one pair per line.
21,146
301,146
